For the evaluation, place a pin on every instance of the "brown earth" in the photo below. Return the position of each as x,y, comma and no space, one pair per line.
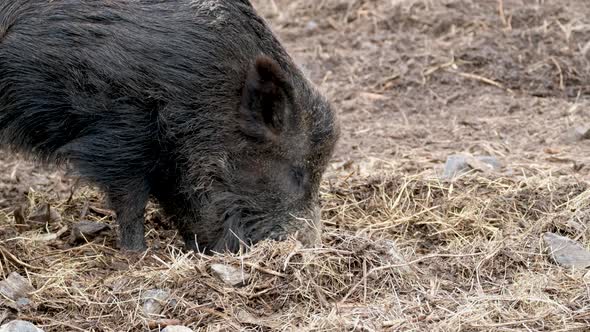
413,81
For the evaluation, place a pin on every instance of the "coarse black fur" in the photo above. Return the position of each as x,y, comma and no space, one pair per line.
194,103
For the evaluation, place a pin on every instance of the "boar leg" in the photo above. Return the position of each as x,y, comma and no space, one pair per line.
130,208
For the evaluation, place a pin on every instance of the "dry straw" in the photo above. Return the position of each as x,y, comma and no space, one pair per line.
397,253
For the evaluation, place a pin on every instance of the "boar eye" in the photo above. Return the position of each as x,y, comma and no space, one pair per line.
297,175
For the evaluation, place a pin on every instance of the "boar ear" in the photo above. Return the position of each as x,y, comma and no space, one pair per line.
265,99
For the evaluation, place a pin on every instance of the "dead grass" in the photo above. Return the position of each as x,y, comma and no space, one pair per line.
402,253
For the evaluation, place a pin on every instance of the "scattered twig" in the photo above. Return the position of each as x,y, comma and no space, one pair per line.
484,80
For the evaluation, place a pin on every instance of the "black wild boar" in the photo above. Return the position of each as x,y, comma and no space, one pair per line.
192,102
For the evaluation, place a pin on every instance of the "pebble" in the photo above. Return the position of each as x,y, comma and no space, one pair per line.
16,288
311,26
459,164
154,301
177,328
230,275
567,252
19,326
45,213
87,230
582,132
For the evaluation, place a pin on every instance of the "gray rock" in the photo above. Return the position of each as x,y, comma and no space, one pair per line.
4,313
154,301
19,326
15,287
87,230
582,132
45,213
311,26
567,252
229,274
23,302
177,328
458,164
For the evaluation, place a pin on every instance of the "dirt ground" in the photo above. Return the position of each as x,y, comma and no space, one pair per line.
413,81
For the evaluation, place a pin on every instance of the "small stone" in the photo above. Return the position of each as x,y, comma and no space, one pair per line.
4,313
483,163
45,213
177,328
15,287
230,275
582,132
19,326
23,302
311,25
87,230
459,164
567,252
454,166
154,301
